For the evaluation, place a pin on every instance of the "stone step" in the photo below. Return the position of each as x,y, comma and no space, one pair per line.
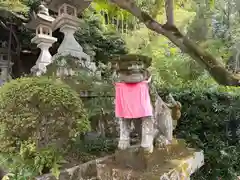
176,162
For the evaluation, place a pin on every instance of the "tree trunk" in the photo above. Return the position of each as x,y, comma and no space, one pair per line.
215,68
169,12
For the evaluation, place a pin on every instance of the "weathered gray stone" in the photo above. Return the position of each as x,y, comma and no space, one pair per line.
175,161
86,171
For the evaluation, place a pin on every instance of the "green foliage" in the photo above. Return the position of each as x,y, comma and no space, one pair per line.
154,7
87,83
42,110
18,6
170,67
38,117
98,146
206,120
30,162
98,89
98,41
96,93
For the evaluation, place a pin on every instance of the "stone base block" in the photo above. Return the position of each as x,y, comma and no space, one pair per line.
176,162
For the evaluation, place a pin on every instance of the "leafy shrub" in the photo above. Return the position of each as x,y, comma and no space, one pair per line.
42,110
209,121
100,145
98,41
96,93
97,146
38,116
30,163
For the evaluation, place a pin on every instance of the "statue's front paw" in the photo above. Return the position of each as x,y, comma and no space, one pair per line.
123,144
148,150
162,142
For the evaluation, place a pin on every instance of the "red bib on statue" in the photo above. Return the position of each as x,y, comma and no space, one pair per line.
132,100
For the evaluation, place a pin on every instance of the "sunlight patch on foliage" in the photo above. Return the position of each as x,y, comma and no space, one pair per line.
14,5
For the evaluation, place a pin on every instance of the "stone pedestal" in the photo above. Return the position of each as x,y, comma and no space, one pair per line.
173,163
68,26
4,73
176,162
4,76
69,43
43,42
70,47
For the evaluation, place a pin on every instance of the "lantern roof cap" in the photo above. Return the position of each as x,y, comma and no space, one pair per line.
42,17
81,5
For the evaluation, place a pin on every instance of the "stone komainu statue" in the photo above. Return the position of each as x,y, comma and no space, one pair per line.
166,116
134,83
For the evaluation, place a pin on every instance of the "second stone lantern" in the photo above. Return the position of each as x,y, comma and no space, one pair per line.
68,22
42,22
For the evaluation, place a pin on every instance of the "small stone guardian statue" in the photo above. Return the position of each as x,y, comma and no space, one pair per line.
133,101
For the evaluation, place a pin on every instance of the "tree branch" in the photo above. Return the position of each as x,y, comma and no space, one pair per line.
215,68
169,12
4,13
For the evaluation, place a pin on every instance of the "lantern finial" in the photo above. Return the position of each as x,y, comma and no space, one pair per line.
43,10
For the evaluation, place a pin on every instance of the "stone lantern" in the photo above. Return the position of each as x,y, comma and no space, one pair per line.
42,23
4,73
68,22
